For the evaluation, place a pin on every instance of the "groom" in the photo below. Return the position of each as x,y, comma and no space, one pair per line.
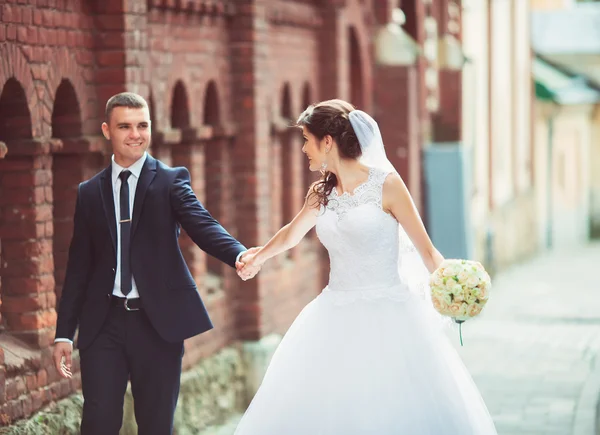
127,286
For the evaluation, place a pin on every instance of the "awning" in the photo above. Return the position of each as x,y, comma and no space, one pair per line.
552,84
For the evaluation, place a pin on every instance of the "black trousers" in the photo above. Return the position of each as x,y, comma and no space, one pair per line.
129,348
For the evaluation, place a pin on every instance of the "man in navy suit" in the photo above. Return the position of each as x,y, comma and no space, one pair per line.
127,286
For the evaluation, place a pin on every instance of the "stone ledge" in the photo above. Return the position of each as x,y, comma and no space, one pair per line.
214,394
62,418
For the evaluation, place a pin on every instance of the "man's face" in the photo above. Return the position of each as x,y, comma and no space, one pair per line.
128,130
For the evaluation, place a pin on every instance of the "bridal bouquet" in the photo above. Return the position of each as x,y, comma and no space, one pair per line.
460,289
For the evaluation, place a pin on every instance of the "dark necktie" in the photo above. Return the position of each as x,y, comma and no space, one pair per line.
125,222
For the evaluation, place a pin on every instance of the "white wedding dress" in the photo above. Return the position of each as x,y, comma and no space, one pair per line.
366,356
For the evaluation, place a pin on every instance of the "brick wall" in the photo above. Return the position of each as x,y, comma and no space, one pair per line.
223,79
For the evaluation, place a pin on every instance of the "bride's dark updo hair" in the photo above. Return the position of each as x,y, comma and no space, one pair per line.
330,118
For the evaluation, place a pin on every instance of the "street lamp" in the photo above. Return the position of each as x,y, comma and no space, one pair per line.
393,46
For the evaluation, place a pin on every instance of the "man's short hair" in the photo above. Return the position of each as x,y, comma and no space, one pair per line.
124,99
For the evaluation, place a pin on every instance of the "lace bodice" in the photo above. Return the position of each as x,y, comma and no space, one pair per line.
362,240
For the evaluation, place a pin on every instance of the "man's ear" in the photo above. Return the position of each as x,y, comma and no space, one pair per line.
105,131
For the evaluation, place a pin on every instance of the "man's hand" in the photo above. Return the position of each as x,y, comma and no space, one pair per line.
248,267
62,358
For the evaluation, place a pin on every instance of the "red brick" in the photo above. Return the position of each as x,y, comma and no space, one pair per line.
111,58
37,17
15,387
16,179
61,38
18,250
110,76
23,304
11,32
42,377
22,34
31,382
47,16
2,33
37,400
48,229
20,285
27,16
22,230
40,213
27,405
30,321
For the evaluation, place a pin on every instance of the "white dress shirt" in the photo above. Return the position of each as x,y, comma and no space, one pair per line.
135,170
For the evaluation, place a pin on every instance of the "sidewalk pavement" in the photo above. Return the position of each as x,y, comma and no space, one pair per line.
534,349
533,352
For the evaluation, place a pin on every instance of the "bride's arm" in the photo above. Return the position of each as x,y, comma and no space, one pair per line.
291,234
398,202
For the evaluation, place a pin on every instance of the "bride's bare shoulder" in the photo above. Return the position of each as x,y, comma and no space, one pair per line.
394,191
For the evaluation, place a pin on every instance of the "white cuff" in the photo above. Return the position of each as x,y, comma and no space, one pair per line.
63,340
237,259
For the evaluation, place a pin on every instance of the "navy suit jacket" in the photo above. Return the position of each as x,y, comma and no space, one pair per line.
164,201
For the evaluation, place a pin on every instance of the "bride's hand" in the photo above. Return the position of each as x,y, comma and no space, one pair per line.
248,266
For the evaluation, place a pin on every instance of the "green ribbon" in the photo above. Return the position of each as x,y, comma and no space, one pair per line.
460,322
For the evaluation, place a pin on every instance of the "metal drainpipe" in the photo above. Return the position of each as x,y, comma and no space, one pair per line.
549,180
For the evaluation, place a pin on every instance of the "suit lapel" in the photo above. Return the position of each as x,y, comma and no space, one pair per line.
146,176
108,202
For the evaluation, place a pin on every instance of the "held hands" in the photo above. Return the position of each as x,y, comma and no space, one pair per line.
248,266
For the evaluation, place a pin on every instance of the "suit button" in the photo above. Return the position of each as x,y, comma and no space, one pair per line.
113,270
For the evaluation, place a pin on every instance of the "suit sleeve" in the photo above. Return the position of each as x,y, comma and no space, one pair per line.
77,275
197,222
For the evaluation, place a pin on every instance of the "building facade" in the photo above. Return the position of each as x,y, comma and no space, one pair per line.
224,80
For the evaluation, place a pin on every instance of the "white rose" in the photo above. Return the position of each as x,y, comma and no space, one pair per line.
458,309
472,281
456,289
448,271
460,297
463,276
483,293
473,310
437,281
439,291
445,298
471,298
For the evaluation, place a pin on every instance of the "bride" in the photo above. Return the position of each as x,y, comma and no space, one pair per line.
369,354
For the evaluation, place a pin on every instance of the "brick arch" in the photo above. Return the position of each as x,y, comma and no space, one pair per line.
15,116
158,148
152,109
288,155
307,95
217,169
66,112
179,107
181,78
307,176
357,37
357,91
285,105
15,66
211,109
65,67
15,125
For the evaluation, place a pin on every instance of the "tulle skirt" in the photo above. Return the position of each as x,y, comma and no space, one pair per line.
362,366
